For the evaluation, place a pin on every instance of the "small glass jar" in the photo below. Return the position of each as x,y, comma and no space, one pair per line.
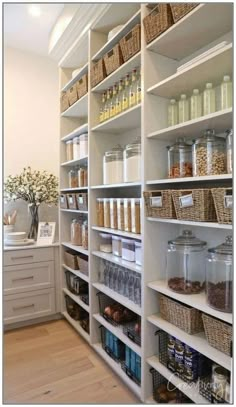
219,381
105,243
219,272
120,214
185,266
229,151
83,145
76,232
128,250
135,215
132,161
85,235
107,217
113,166
138,253
179,160
127,215
113,213
100,212
73,178
116,246
209,155
69,150
76,148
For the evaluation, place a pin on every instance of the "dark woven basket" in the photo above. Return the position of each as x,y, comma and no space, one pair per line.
194,204
158,21
223,207
164,198
179,10
219,334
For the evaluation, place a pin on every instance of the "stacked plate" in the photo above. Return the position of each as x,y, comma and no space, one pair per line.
17,239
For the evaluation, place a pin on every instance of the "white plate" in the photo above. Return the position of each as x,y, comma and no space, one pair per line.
19,243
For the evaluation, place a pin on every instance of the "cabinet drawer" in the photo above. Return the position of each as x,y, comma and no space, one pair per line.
21,307
27,256
28,277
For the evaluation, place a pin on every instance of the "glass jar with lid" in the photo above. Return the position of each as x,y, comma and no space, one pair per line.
219,276
83,145
229,150
69,150
209,155
105,243
179,159
185,265
76,148
73,178
76,232
85,235
113,166
132,161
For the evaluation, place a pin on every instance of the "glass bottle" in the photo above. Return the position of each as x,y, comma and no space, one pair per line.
183,109
229,151
138,87
131,286
113,102
119,97
102,108
132,90
196,104
137,290
107,106
209,99
126,283
125,98
226,93
172,113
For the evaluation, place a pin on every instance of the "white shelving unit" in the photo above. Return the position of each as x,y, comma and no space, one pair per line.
204,27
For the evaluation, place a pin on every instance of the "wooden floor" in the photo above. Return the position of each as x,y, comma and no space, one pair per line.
50,363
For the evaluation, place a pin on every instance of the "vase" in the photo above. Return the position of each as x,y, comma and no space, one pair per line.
34,221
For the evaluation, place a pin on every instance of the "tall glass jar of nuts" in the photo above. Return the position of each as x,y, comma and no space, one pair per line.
209,155
179,160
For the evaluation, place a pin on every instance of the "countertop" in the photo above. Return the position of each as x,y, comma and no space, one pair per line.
31,246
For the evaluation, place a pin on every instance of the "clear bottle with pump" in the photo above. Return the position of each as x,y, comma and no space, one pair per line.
226,93
196,104
183,109
138,87
132,89
172,113
209,99
102,108
125,98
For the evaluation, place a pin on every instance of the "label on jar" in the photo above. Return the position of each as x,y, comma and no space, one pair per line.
185,201
156,201
228,201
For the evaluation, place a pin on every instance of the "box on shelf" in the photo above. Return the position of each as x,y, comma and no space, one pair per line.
82,201
130,44
223,204
194,204
159,204
158,21
179,10
97,73
63,201
72,203
64,102
72,95
113,59
82,86
75,284
71,260
219,334
82,261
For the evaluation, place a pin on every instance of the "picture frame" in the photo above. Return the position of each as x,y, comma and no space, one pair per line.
46,233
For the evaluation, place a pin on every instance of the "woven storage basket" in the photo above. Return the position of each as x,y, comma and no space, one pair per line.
82,201
64,102
82,86
159,197
130,44
194,204
223,206
179,10
158,21
184,317
113,59
97,73
218,334
72,95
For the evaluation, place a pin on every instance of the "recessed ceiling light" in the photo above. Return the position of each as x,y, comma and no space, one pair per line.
34,10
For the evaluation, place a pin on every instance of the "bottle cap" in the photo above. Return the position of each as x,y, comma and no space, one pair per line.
183,96
209,85
226,78
172,101
196,91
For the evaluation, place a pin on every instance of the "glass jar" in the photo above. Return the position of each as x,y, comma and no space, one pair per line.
179,160
85,235
183,109
132,161
135,215
219,276
73,178
76,148
172,113
100,212
128,250
219,381
107,218
116,246
69,150
83,145
120,214
113,166
185,266
127,215
229,151
209,155
113,213
76,232
105,243
138,253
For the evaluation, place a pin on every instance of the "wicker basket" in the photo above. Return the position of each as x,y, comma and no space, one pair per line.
223,204
72,94
179,10
82,86
218,333
184,317
82,201
194,204
113,59
158,21
64,102
131,43
159,204
97,73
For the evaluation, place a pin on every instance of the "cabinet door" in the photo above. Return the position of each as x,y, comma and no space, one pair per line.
27,256
28,277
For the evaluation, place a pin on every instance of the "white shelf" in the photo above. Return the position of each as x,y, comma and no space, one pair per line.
118,370
201,26
189,390
76,325
194,300
73,163
78,109
130,119
76,299
197,341
71,82
191,223
118,232
219,121
117,297
75,133
73,211
210,178
118,332
196,75
123,185
131,265
78,249
76,273
119,73
73,189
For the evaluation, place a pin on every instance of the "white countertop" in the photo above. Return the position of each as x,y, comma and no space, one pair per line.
30,246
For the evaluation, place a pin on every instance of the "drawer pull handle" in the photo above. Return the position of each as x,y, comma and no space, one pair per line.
22,257
23,306
23,278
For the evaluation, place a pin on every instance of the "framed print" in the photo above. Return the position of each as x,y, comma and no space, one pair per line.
46,232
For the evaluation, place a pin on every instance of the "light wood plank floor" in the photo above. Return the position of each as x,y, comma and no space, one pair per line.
51,363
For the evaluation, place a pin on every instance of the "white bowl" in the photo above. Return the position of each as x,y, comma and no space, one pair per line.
16,236
113,32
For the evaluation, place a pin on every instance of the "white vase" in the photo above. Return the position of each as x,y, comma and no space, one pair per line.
8,229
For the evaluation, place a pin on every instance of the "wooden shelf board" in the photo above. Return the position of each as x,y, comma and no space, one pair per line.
84,70
208,178
118,232
78,109
76,273
77,299
123,185
75,133
130,119
73,163
131,265
73,211
191,223
78,249
76,325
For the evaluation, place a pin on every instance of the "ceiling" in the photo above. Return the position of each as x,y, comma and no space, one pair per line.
28,33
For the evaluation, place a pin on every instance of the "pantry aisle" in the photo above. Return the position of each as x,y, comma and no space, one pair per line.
50,363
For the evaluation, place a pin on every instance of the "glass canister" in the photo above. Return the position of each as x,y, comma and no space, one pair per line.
73,178
229,151
113,166
69,150
105,243
76,232
76,148
179,160
132,161
85,235
117,246
209,155
113,213
185,265
83,145
219,276
100,212
120,214
107,216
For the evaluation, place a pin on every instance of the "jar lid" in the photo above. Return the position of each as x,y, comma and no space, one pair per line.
130,241
105,235
135,145
76,139
179,144
74,221
187,239
116,238
69,142
223,248
114,154
209,136
221,372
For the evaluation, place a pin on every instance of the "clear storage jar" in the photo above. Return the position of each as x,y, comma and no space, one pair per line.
179,160
185,265
76,232
69,150
132,161
138,253
85,235
127,215
209,155
128,250
73,178
105,243
229,151
113,166
113,213
100,212
76,148
135,215
107,217
120,214
116,246
219,276
83,145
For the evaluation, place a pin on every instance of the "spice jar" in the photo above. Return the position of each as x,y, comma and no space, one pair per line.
229,151
209,155
76,232
83,145
132,161
219,276
179,160
85,235
105,243
135,215
185,266
113,166
127,215
107,219
219,381
100,212
120,214
73,178
116,246
113,213
76,148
